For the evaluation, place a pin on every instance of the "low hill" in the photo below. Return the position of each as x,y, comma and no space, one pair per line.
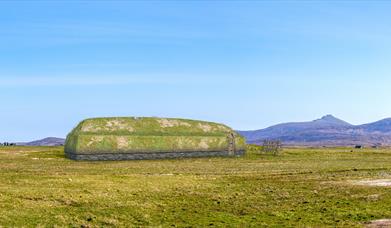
49,141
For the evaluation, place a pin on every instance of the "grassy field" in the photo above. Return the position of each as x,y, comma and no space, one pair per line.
301,187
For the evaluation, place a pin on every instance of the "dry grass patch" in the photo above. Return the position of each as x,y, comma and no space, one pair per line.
381,223
374,183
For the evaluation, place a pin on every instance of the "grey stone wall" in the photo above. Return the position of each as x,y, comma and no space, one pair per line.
150,156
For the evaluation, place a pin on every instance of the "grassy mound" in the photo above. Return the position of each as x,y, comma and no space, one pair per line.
148,134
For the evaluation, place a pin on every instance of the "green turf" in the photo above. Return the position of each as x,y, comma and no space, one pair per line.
301,187
150,126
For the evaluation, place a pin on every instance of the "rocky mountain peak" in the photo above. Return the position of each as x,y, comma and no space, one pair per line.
330,119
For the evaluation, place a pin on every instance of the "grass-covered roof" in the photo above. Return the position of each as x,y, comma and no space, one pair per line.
149,126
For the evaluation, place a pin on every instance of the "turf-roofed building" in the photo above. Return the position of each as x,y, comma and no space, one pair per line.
127,138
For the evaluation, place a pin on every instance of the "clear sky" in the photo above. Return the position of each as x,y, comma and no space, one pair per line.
246,64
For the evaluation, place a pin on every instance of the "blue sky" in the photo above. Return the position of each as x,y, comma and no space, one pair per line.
246,64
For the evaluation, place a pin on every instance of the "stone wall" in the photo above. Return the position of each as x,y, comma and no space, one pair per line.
151,156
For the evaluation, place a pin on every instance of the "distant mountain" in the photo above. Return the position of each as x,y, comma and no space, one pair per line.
326,131
50,141
382,126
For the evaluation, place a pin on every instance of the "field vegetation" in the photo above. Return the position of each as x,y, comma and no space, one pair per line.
299,187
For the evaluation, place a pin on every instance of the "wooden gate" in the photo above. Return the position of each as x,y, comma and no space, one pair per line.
231,144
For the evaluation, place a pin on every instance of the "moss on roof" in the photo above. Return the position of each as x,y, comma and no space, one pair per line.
149,126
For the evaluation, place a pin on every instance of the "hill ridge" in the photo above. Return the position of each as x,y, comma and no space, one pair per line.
326,131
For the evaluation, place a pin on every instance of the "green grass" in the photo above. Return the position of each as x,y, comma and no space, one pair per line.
144,126
301,187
